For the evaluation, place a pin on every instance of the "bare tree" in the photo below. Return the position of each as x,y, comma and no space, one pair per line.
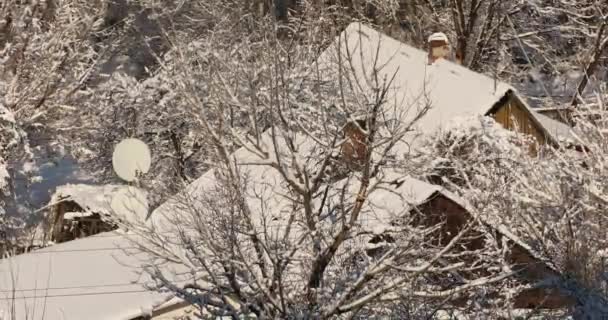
553,203
292,222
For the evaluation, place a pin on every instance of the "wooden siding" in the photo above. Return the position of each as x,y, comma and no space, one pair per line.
62,229
513,116
453,218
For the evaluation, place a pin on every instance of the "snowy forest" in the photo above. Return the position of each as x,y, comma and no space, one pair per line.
310,159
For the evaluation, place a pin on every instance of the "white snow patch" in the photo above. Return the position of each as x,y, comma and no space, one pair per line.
6,115
82,214
3,175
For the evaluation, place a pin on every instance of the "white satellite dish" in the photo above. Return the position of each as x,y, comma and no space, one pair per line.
131,157
130,204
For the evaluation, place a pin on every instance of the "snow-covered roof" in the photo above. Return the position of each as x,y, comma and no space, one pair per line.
438,36
451,89
263,182
97,199
268,199
400,195
558,130
91,198
97,278
92,278
397,195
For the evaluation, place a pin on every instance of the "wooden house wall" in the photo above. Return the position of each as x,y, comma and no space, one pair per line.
62,230
451,216
57,220
535,271
513,116
454,217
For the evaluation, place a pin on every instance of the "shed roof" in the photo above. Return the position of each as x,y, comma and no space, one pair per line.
98,199
451,89
558,130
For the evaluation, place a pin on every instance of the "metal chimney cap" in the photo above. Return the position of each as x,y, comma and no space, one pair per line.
438,36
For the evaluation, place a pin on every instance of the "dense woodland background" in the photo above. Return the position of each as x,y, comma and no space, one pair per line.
78,76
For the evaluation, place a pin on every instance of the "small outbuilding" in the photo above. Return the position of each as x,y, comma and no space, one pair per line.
80,210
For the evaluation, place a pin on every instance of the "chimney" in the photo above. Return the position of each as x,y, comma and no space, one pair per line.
354,148
439,47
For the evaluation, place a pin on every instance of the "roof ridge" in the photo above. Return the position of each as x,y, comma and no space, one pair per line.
440,62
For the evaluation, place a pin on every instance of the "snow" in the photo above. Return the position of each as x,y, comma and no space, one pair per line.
72,215
97,278
558,87
98,199
54,174
452,90
270,208
93,278
386,205
3,175
6,115
559,131
130,204
90,197
264,182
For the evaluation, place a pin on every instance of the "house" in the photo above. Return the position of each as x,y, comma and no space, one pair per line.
80,210
398,197
432,205
419,78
